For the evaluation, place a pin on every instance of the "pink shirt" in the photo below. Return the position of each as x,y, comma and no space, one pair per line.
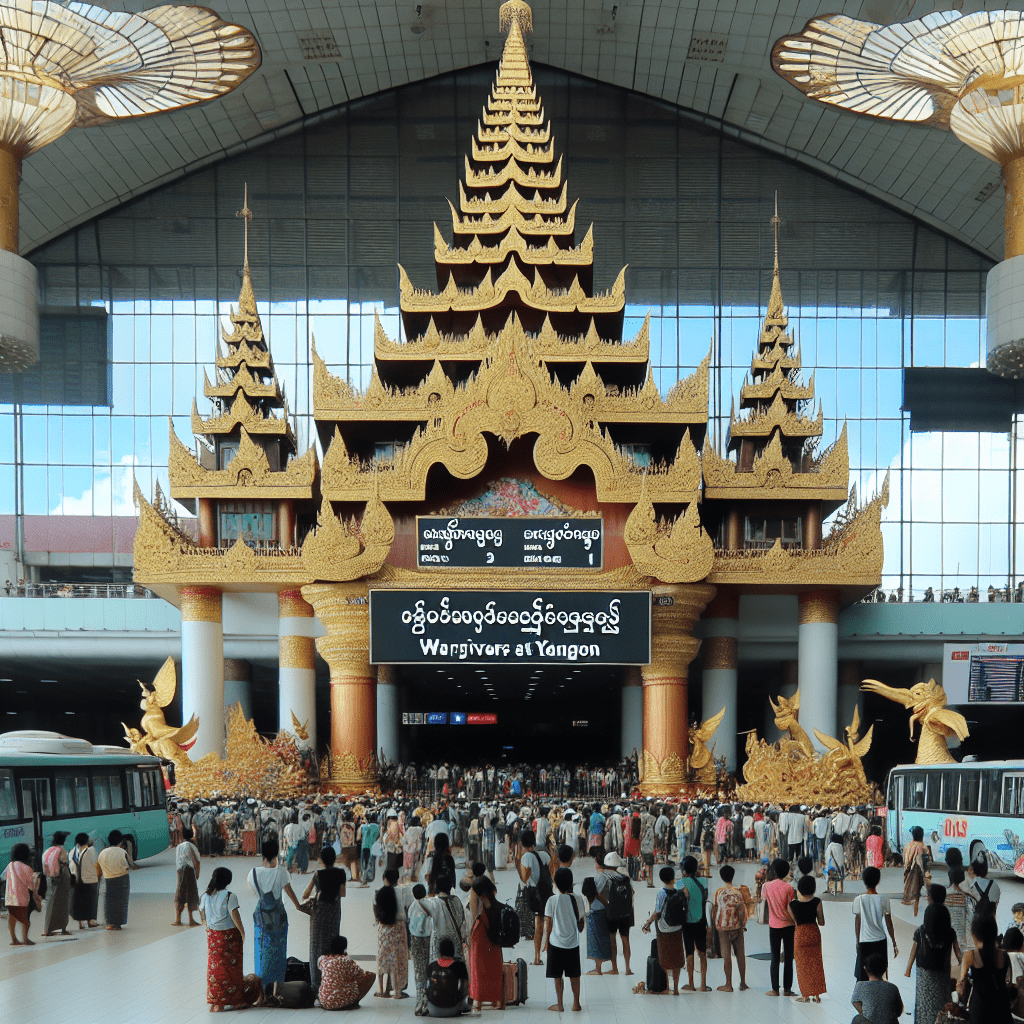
778,894
874,848
723,829
19,878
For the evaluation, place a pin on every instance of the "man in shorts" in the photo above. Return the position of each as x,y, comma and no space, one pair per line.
695,928
564,919
610,874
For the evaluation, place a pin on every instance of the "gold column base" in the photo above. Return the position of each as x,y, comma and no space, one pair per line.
666,681
10,178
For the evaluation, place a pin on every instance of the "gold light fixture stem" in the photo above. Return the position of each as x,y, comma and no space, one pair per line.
10,175
1013,184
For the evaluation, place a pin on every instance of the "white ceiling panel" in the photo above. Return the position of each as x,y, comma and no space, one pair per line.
710,57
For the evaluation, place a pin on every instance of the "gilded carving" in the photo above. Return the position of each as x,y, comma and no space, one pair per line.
793,772
927,702
702,760
243,380
819,606
514,242
201,604
489,294
243,414
512,197
345,551
295,652
776,417
156,737
676,552
292,605
512,395
246,477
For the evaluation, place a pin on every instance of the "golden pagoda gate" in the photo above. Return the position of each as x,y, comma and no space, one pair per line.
522,371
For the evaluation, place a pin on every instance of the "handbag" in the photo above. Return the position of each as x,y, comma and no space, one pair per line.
527,922
762,912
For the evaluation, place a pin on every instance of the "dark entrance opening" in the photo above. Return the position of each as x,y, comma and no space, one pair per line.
545,714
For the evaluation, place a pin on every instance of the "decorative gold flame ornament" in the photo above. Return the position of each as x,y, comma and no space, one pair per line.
301,731
928,701
156,736
702,760
792,772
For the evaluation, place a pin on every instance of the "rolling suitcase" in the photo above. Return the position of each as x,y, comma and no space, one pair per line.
657,979
514,977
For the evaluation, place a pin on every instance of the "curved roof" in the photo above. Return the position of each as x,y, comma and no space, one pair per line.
711,57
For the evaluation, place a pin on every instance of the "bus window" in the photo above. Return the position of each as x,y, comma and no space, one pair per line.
1013,795
990,791
106,791
890,801
153,786
72,793
8,796
970,784
142,788
950,791
44,801
933,791
913,791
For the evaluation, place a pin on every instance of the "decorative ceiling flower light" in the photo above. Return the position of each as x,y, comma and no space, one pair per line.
71,65
964,73
953,71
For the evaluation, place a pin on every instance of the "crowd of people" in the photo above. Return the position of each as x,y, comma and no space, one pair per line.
437,907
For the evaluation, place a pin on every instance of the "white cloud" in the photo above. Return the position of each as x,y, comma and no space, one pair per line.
110,493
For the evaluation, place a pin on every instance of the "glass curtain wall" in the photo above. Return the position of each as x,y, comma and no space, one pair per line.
338,204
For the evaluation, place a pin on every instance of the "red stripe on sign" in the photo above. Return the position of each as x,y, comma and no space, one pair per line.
481,719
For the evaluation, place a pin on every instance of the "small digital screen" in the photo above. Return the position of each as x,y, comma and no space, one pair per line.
437,717
458,718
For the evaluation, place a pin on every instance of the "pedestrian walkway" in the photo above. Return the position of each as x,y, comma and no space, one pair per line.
152,973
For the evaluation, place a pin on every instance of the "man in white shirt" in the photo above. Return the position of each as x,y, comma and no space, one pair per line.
569,831
796,833
820,827
871,916
564,918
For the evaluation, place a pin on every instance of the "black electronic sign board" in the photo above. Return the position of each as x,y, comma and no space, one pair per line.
509,542
510,627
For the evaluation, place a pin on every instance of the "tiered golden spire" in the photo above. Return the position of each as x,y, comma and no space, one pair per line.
246,391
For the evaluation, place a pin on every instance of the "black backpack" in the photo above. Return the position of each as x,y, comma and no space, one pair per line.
673,913
508,926
545,886
620,897
984,907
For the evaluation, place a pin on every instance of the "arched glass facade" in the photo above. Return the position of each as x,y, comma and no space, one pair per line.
340,203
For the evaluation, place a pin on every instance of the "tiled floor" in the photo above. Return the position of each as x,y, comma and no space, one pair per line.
153,973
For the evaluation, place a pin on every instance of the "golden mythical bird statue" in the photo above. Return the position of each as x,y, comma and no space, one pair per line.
787,712
843,758
156,736
302,730
702,762
928,701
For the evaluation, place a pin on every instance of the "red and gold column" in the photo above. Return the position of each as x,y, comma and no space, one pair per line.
202,667
344,610
296,685
818,658
675,611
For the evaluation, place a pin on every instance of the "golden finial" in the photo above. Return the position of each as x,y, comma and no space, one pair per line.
775,221
246,214
515,11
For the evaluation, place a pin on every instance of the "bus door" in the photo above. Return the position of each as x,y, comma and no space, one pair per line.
1013,795
36,804
896,810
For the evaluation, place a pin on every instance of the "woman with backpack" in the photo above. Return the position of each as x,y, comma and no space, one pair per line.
934,941
599,942
668,917
269,882
392,942
486,982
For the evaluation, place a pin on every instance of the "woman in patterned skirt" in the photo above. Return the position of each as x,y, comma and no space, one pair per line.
915,867
807,914
933,943
486,980
392,944
226,987
599,941
328,885
271,879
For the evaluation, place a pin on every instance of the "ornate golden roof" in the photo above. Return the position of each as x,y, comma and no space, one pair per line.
489,294
247,477
512,197
517,217
243,380
773,474
513,171
242,413
551,346
514,242
511,396
778,416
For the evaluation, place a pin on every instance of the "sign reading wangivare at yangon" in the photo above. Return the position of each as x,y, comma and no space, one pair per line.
536,627
472,542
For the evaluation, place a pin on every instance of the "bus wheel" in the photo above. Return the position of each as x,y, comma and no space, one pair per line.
979,851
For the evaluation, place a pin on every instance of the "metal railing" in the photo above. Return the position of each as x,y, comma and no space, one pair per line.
954,595
87,590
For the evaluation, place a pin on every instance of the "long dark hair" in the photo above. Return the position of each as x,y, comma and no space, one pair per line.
634,826
219,880
984,929
385,905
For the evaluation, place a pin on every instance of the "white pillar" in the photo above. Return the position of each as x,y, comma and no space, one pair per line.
238,685
296,693
202,667
632,721
818,657
388,715
720,628
850,675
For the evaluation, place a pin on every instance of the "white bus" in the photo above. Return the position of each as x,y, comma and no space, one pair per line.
975,806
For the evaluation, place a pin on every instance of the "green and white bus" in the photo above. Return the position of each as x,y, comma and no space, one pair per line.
975,806
53,783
